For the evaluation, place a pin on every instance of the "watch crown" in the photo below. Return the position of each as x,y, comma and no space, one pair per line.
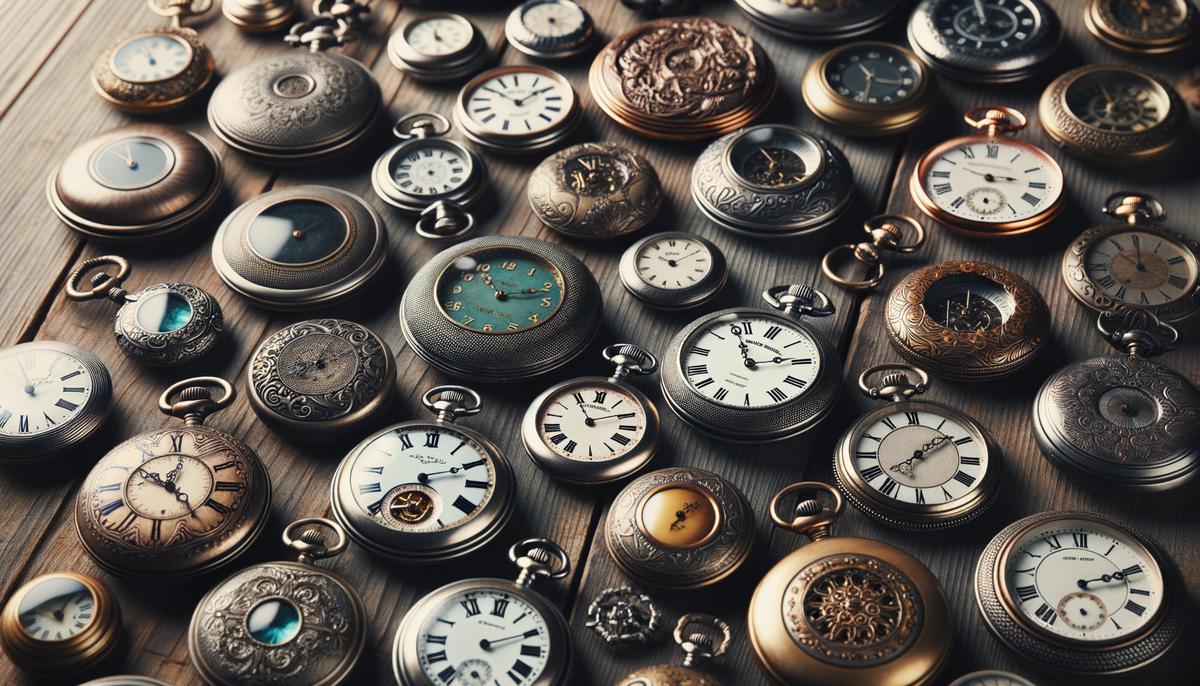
453,396
195,393
807,508
897,379
312,537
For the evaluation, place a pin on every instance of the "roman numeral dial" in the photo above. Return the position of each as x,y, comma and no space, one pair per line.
41,390
486,636
591,422
1141,268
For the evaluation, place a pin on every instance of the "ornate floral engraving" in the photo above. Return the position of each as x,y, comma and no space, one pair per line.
332,93
156,94
1069,130
180,346
563,206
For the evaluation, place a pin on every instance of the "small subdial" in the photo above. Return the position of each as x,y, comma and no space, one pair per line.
1082,611
986,200
773,167
474,673
412,507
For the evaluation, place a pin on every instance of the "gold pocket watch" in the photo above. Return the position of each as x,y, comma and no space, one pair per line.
703,638
869,89
60,623
176,502
160,69
1142,27
915,464
989,185
844,610
595,430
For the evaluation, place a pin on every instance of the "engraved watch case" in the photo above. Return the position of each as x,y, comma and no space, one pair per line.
595,191
832,20
1010,41
1142,28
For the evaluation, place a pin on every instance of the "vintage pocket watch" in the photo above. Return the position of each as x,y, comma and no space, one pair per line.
915,464
135,182
1122,421
427,172
702,638
53,397
517,109
320,379
869,89
595,430
989,185
60,623
501,308
595,190
125,680
167,324
478,631
679,528
985,41
300,247
160,69
661,8
1080,593
967,321
176,502
887,233
438,47
845,610
425,490
550,29
282,622
1135,262
1142,27
307,105
753,375
830,21
259,16
673,270
991,677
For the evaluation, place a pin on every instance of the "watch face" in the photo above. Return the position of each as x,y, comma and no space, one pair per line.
479,638
592,422
750,361
422,477
1083,581
317,363
873,74
987,28
151,57
297,232
673,263
1149,16
57,608
595,174
438,35
1141,268
131,163
774,158
500,290
40,390
968,303
993,181
434,168
1118,101
519,102
163,312
552,18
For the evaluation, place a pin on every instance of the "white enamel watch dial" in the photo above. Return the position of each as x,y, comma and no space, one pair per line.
673,263
57,609
1141,268
438,35
434,168
993,182
484,637
920,457
519,103
553,18
592,422
40,389
151,57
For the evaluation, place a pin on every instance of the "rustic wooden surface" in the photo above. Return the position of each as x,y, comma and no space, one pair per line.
46,106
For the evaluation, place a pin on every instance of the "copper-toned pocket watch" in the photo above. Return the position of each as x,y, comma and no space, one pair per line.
989,185
60,623
176,502
595,190
702,638
844,610
1142,27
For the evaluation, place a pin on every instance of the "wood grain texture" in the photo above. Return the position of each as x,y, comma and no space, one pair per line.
53,110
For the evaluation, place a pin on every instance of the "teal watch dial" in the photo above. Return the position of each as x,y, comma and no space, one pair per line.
500,290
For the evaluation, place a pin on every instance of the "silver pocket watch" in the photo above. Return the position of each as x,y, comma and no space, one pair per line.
550,29
673,270
985,41
441,46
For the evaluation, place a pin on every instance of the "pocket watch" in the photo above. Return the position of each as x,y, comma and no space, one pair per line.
438,47
282,622
595,190
772,181
307,105
824,21
887,232
425,490
702,638
125,680
679,528
517,109
869,89
320,379
427,173
160,69
477,631
915,464
991,677
845,610
1142,27
753,375
595,430
164,325
673,270
989,185
1122,421
641,80
1080,593
967,321
259,16
135,182
300,247
501,308
53,397
985,41
1135,262
1113,115
60,623
550,29
176,502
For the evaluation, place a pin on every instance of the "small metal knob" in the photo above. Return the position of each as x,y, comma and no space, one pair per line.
799,300
452,402
192,401
810,517
701,646
628,358
444,220
535,558
310,545
896,385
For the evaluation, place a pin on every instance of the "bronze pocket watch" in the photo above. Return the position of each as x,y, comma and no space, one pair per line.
60,623
176,502
517,109
319,379
260,16
915,464
167,324
160,69
985,41
869,89
1122,421
438,47
967,321
702,638
1142,27
830,20
282,622
594,430
550,29
679,528
673,270
595,190
845,610
1081,594
989,185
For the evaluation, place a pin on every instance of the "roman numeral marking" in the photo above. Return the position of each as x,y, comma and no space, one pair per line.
466,506
1027,593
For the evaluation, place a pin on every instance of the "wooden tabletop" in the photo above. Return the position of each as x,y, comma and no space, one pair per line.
47,106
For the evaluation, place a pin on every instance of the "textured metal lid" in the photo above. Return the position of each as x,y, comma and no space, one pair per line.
821,21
